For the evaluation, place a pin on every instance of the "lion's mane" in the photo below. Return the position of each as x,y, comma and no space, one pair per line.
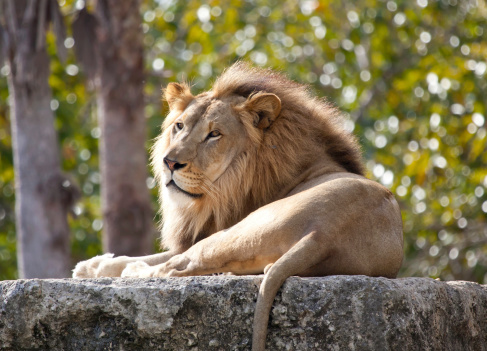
276,156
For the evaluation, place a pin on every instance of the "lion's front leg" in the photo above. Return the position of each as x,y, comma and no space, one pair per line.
214,254
246,248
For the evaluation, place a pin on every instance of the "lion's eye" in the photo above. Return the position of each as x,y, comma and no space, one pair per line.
214,134
179,126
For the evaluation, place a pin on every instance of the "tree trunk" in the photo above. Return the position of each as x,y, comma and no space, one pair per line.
43,195
127,212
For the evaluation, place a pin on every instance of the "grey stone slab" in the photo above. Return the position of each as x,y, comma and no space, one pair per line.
216,313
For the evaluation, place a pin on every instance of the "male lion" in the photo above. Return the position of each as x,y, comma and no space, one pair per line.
256,176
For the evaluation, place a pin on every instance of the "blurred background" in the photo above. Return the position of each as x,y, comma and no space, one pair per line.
410,77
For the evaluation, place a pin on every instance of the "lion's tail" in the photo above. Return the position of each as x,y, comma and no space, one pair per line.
304,254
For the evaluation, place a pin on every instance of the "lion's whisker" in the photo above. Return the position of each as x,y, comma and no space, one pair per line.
212,193
207,188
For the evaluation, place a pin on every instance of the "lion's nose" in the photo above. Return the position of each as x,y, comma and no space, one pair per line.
173,165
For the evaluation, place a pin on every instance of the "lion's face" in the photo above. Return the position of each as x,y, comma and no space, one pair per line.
201,142
202,136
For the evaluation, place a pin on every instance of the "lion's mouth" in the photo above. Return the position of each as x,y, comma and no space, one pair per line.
176,187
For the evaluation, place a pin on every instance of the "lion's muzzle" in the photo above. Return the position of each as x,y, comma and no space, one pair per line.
173,165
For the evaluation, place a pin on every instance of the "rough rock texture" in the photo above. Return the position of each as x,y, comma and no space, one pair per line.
215,313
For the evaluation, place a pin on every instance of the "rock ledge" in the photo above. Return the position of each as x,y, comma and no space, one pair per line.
215,313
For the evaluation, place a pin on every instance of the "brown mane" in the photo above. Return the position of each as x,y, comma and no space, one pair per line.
298,106
305,132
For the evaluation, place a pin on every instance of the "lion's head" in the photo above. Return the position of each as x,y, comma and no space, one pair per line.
249,141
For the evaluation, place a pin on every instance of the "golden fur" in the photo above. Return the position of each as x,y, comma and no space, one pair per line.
257,176
306,126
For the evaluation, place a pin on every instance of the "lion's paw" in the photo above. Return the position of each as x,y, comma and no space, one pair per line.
138,269
177,266
89,268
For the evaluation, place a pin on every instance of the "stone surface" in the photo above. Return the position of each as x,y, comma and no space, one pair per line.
215,313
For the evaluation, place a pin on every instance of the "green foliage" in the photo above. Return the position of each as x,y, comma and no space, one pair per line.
409,76
8,260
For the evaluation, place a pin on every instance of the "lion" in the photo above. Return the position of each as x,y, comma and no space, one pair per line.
257,176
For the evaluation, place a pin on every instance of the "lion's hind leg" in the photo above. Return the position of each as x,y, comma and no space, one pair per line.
306,253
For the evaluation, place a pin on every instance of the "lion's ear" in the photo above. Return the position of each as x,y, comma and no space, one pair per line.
177,94
265,107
